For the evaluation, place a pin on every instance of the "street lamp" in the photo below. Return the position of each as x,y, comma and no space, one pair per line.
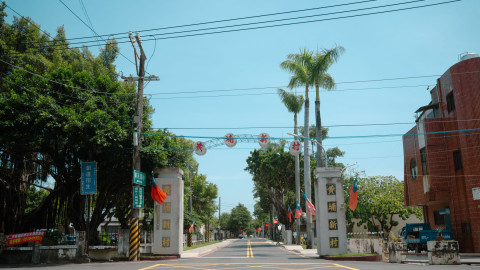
316,142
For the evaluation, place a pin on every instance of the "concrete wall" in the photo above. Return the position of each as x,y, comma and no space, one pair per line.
365,246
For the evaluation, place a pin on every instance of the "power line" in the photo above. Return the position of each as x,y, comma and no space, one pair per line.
274,93
282,127
338,90
323,138
29,20
293,23
282,20
226,20
128,59
304,22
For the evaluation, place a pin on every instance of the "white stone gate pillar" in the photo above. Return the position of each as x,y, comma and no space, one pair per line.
330,215
168,217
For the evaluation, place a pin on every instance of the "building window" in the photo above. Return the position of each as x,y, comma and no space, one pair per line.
457,159
438,219
450,102
423,159
413,168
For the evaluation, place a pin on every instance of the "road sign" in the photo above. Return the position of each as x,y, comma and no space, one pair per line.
88,184
137,197
138,178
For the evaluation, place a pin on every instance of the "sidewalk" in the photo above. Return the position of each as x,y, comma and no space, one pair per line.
192,253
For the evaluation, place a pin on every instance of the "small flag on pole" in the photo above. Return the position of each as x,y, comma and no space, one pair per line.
191,227
289,214
157,193
298,211
352,202
275,220
310,206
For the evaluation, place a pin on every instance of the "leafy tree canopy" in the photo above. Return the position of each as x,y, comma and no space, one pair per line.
380,198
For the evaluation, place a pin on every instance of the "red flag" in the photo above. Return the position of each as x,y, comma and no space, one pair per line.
191,227
157,193
352,202
289,214
298,211
310,206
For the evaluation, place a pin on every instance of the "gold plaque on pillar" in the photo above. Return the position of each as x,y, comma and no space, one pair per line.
165,241
332,224
166,207
167,189
166,224
331,189
333,242
332,206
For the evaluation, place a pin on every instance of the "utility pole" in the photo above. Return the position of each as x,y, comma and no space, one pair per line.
134,251
219,206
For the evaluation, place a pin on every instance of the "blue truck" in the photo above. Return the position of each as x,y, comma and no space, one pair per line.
416,235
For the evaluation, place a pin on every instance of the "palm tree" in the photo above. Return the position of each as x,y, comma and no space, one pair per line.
300,65
319,66
294,104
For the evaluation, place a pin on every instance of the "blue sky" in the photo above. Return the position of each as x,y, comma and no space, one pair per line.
404,44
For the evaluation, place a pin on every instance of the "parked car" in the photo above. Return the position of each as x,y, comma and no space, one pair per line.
69,239
416,235
114,238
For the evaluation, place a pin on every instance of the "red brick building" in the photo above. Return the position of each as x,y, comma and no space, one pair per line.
442,155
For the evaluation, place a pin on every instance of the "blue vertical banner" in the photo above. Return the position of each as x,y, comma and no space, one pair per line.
88,184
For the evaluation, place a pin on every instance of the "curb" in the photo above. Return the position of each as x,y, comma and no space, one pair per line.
370,258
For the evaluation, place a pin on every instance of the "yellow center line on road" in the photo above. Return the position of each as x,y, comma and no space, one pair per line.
249,249
225,266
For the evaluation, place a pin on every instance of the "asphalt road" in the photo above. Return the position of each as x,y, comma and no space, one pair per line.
249,254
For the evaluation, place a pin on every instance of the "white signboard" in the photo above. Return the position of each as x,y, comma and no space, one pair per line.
476,193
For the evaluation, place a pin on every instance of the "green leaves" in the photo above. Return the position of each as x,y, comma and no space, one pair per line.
380,198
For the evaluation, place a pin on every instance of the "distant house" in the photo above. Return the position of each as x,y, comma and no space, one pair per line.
442,155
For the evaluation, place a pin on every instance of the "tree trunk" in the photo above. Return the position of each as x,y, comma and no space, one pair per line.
318,135
297,182
306,173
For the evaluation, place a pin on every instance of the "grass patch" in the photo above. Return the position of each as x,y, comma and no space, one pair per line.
353,255
305,247
201,245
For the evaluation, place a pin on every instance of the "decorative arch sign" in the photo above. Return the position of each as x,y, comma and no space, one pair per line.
230,140
294,148
264,140
200,148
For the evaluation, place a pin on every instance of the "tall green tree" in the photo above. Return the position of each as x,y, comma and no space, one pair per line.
380,199
58,107
240,219
294,103
300,66
322,61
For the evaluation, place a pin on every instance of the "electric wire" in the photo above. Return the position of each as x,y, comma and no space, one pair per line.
128,59
220,21
243,18
294,23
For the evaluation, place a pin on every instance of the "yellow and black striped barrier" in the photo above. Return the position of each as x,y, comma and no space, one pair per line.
189,240
134,251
